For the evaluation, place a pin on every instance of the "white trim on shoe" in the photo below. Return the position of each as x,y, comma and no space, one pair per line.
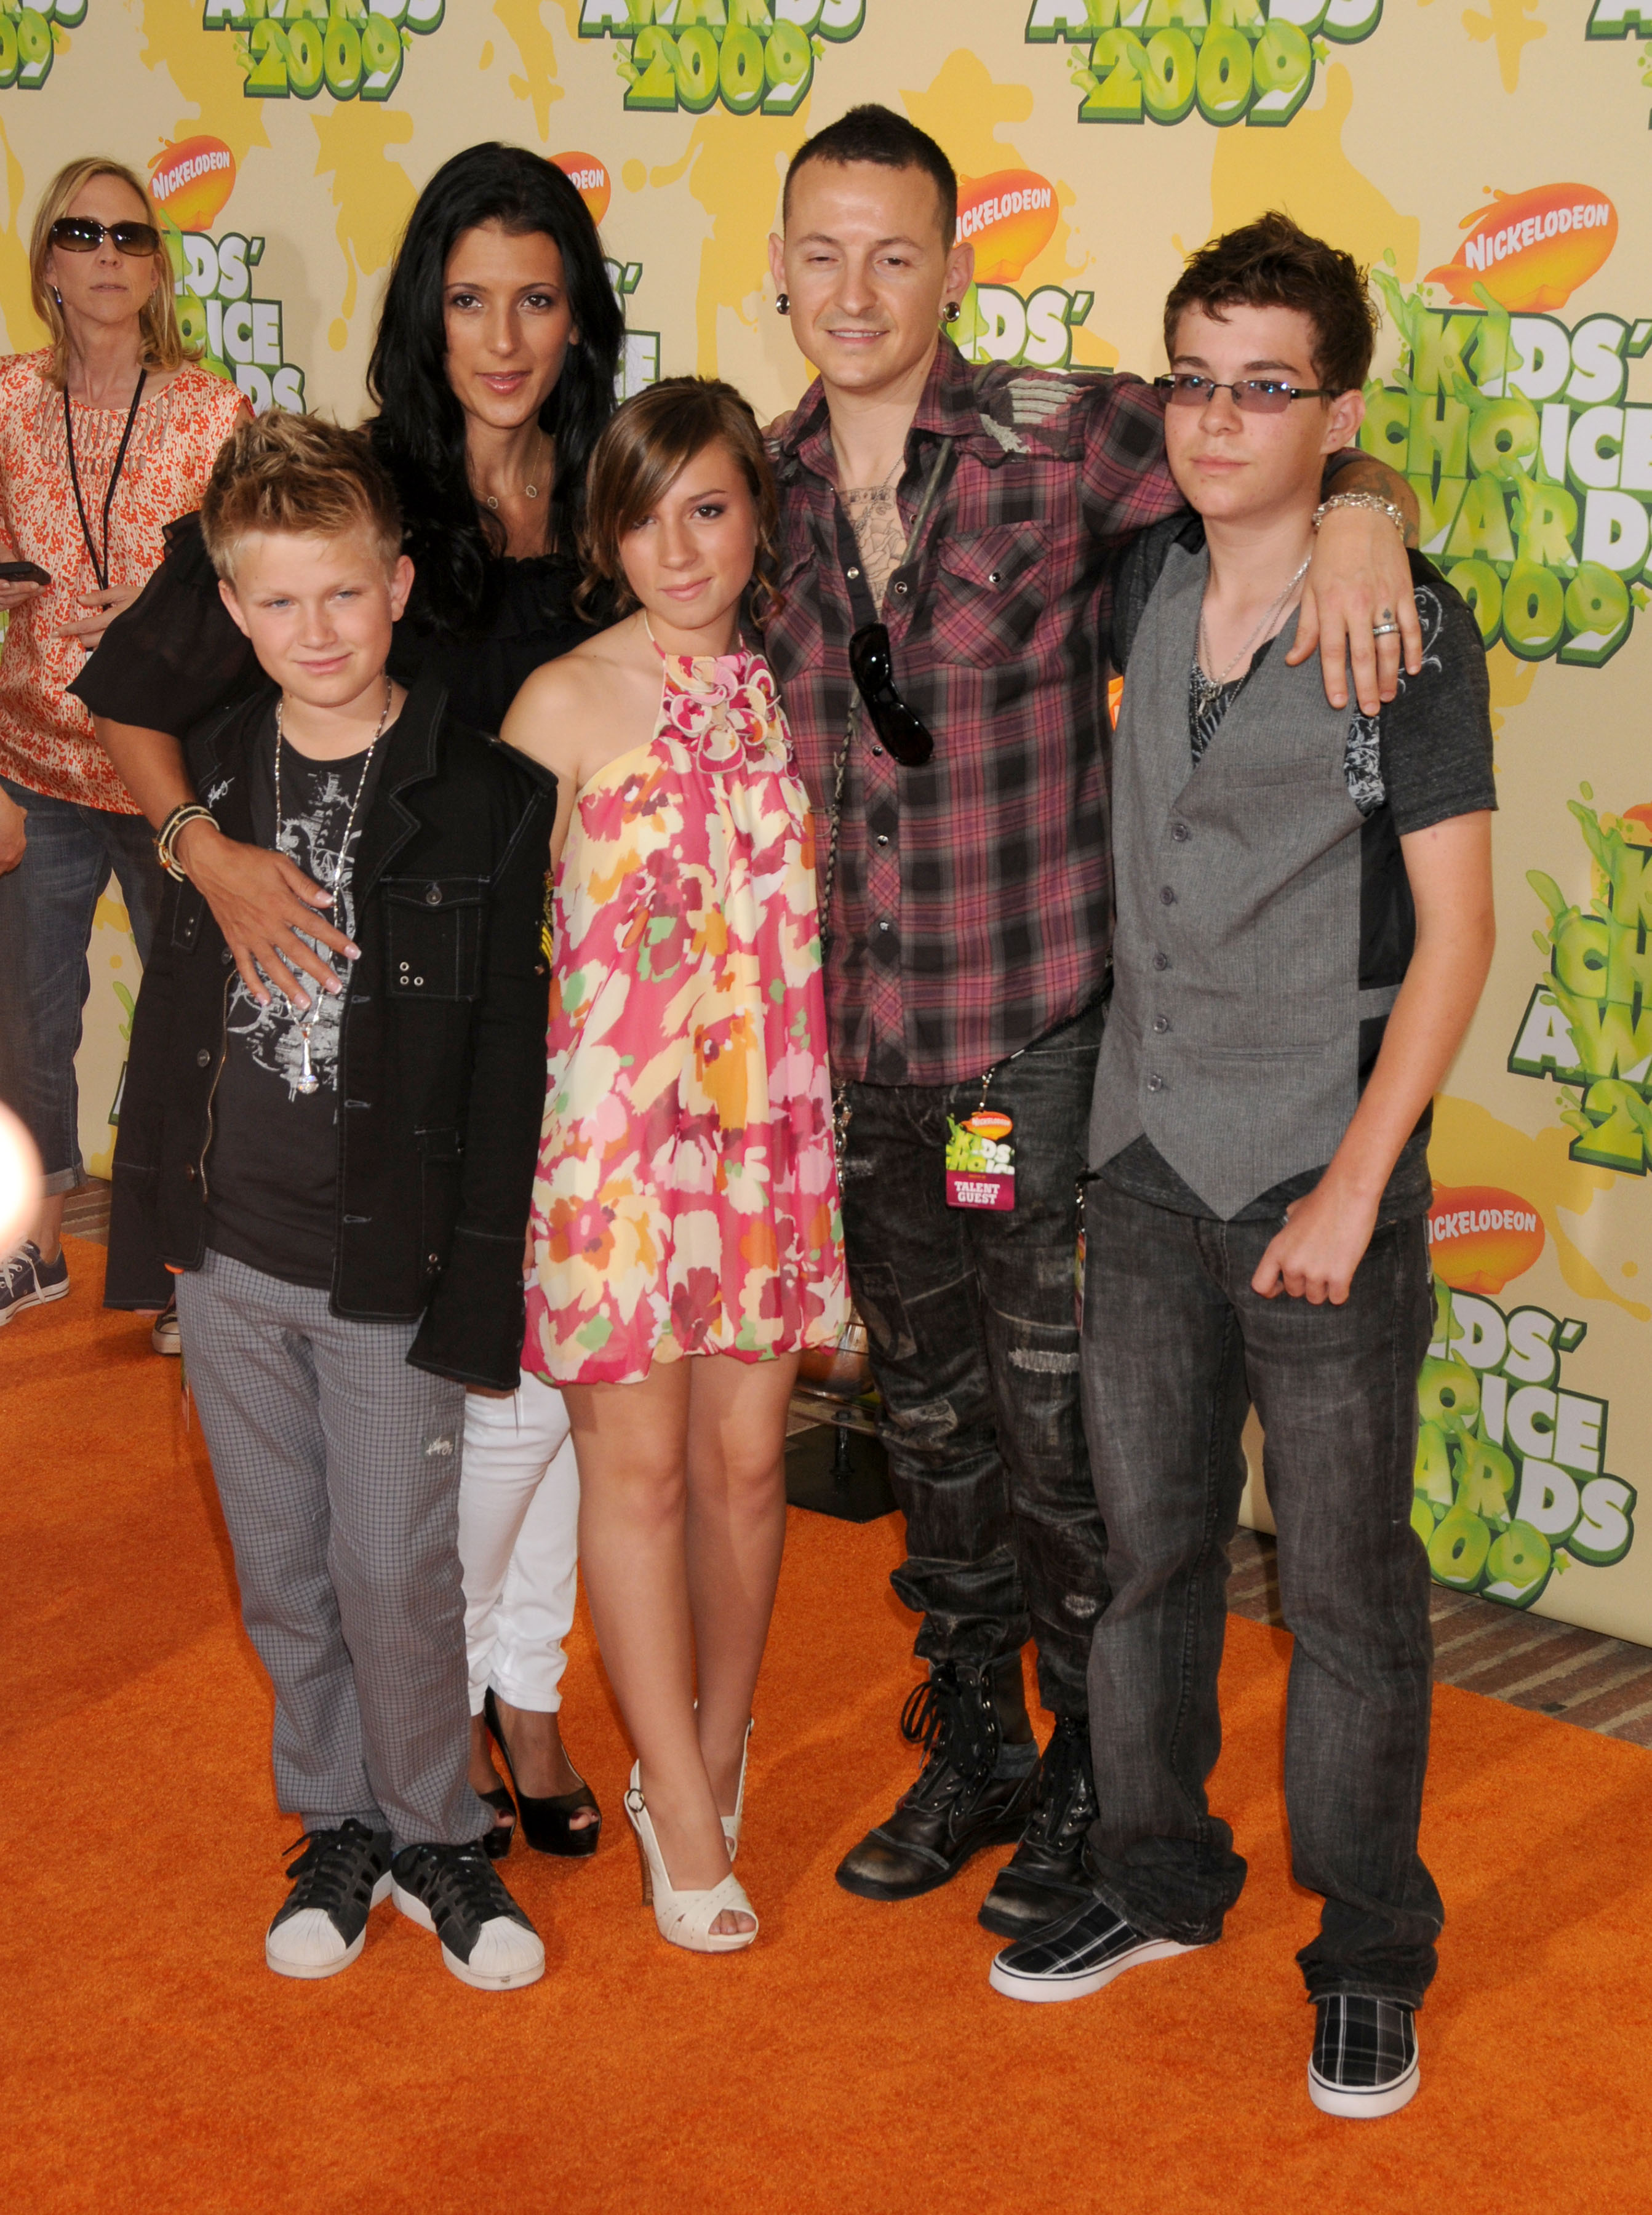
1079,1984
1365,2107
314,1922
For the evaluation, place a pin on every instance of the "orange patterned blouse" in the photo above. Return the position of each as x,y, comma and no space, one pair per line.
46,741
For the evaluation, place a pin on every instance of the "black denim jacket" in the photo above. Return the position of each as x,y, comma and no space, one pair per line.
442,1057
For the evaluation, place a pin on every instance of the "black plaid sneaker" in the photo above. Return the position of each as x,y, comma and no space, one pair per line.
456,1890
1071,1959
1365,2056
337,1882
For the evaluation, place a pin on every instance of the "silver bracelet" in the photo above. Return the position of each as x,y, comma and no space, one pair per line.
1371,499
166,836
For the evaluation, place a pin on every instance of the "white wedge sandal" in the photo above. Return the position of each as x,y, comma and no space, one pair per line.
685,1918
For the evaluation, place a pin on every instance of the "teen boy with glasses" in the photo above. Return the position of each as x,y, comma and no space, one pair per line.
946,532
1304,927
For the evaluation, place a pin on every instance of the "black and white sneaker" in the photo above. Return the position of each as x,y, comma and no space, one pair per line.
1071,1959
455,1891
26,1281
337,1882
1365,2056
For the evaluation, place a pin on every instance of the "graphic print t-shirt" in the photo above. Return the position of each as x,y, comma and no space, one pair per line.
272,1171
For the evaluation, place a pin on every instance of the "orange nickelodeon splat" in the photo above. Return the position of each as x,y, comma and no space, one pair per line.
1532,251
1479,1236
590,179
192,180
1009,217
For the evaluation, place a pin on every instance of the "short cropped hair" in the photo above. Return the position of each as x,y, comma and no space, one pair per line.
300,475
871,133
1274,263
647,444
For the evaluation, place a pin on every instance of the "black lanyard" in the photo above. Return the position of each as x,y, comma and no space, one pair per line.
100,568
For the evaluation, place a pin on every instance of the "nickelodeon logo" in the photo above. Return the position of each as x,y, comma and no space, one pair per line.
590,180
191,181
1009,217
1480,1236
1532,251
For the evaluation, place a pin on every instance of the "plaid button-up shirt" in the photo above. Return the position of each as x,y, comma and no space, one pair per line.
972,907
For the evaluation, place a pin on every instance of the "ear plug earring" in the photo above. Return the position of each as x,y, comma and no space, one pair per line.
954,311
783,304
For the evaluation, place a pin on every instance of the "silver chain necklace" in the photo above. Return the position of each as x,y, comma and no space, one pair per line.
308,1081
1208,688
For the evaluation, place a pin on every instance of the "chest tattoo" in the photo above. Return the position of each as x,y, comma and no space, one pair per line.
874,517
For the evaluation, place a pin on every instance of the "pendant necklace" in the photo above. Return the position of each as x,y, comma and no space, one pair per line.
1208,689
307,1081
530,491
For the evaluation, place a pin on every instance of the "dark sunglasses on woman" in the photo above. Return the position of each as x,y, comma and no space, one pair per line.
84,234
900,729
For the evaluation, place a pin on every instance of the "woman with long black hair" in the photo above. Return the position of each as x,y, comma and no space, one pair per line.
493,371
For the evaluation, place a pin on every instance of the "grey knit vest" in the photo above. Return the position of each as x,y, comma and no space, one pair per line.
1233,1039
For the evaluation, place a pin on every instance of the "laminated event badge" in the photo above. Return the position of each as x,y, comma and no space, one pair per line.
981,1160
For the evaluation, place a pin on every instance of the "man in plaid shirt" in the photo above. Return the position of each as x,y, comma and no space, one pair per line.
958,525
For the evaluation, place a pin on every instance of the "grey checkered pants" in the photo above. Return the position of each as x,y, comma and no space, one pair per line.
338,1467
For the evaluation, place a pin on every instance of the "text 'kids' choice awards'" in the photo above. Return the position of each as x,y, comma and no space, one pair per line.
239,336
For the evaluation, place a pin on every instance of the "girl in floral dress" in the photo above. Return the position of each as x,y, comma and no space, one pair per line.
685,1226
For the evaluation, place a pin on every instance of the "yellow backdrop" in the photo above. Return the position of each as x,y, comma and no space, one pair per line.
1482,159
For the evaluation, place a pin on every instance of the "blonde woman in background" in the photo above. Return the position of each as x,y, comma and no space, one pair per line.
106,435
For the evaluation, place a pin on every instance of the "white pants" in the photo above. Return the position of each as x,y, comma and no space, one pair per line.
519,1544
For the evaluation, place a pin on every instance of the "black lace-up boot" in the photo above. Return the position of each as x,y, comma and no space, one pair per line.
974,1789
1044,1879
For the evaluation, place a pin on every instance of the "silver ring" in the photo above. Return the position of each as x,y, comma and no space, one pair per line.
1383,630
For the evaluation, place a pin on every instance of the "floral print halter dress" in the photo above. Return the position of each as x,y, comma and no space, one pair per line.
686,1198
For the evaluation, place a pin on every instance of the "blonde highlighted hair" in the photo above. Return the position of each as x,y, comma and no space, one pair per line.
158,319
300,476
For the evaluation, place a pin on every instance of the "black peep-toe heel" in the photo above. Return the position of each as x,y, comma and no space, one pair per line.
547,1823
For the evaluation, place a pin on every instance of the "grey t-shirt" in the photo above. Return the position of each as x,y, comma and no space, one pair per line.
1423,758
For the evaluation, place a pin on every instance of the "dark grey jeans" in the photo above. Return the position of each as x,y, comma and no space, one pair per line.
1177,1345
47,904
974,1347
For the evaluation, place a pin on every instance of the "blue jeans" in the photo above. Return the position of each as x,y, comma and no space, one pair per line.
975,1348
46,906
1176,1347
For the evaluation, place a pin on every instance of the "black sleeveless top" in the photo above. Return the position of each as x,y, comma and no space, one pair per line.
176,655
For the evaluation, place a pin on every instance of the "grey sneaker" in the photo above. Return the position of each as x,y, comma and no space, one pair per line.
166,1337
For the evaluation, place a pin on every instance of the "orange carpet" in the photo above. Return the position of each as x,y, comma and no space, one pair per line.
854,2060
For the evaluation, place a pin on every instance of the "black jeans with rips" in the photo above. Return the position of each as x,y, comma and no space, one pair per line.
975,1348
1176,1347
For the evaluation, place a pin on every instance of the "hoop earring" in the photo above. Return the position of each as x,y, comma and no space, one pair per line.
783,304
952,311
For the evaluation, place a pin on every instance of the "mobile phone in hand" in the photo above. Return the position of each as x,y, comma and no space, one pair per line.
23,573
